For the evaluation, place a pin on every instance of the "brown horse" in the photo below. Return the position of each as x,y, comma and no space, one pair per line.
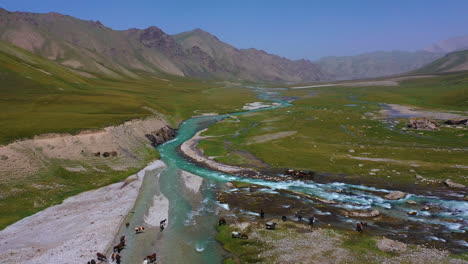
117,259
151,258
359,227
139,229
101,257
119,247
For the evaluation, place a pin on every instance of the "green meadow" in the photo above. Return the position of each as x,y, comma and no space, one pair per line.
38,96
341,130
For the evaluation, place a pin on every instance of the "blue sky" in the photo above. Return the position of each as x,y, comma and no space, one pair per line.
291,28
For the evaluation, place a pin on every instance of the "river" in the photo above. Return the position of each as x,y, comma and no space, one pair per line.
190,234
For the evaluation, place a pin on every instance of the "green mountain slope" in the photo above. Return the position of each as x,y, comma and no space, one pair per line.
452,62
93,49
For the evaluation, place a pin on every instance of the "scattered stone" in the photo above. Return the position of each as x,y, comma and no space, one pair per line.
425,208
230,185
422,123
412,213
351,151
411,202
3,157
374,170
391,246
452,184
465,198
396,195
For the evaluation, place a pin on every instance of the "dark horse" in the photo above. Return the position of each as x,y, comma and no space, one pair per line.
222,221
101,257
151,258
119,247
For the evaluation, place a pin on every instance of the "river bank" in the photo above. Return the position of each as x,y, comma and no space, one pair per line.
74,231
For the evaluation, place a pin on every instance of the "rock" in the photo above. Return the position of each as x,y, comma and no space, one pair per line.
425,208
456,122
452,184
396,195
465,198
3,157
422,123
351,151
372,213
412,213
230,185
411,202
391,246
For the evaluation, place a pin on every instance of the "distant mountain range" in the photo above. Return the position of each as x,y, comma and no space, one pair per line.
91,49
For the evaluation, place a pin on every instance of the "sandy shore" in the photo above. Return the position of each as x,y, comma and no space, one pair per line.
72,232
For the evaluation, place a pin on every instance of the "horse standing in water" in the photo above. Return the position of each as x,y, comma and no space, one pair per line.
101,257
139,229
151,258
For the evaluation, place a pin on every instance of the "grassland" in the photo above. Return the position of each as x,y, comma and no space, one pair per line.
38,96
335,127
294,242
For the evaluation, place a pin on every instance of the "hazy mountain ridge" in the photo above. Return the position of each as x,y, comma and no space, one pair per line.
375,64
450,45
90,47
452,62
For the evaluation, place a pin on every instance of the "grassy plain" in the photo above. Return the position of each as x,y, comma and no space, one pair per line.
341,129
38,96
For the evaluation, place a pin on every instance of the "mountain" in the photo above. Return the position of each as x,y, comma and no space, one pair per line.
450,45
92,49
452,62
375,64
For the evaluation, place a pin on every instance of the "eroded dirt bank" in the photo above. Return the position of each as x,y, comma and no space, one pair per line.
118,147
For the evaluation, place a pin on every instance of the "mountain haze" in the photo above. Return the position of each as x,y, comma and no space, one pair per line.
452,62
375,64
92,49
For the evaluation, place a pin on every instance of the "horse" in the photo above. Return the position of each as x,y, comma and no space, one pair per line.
222,221
163,222
235,234
127,224
139,229
262,214
244,236
359,227
93,261
113,256
101,257
119,247
122,239
145,261
117,259
311,220
161,227
151,258
284,218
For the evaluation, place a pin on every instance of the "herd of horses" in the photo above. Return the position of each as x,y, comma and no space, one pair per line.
272,225
116,257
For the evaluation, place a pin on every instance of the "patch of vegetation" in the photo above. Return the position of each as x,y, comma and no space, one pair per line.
341,130
245,250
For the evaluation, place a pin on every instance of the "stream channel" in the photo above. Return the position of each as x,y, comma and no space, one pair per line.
190,234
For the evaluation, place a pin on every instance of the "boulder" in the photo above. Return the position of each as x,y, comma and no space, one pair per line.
456,122
452,184
411,202
372,213
422,124
396,195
